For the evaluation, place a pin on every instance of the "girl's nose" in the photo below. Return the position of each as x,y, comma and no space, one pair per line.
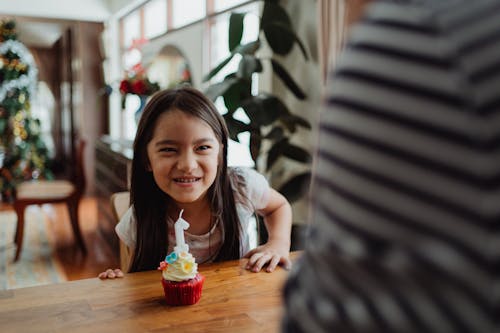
187,162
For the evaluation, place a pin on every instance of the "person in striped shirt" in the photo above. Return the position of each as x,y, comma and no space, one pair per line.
405,230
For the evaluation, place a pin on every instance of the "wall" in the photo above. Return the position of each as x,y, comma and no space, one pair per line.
307,75
189,41
90,106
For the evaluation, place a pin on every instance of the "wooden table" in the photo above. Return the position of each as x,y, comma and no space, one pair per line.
233,300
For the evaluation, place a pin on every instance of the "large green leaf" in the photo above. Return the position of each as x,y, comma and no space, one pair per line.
253,108
292,121
279,43
219,89
287,79
264,109
217,69
275,152
232,97
249,48
235,126
296,153
273,12
240,90
284,148
296,187
235,29
280,28
275,134
271,102
249,65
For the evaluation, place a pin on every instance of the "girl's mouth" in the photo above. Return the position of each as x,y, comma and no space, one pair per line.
186,180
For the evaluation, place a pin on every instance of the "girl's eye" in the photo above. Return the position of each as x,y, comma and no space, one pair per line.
204,147
167,149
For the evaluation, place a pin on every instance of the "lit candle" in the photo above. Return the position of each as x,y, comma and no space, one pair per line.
180,225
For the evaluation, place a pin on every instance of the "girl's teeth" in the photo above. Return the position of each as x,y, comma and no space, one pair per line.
187,180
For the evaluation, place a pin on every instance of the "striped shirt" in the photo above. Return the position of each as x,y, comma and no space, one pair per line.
405,232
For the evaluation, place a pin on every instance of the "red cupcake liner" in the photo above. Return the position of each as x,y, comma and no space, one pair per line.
183,292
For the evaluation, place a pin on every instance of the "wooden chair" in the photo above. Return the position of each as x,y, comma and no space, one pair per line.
39,192
120,202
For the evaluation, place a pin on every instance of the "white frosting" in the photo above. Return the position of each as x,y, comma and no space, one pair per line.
182,268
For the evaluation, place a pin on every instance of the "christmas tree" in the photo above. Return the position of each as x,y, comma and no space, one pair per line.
23,154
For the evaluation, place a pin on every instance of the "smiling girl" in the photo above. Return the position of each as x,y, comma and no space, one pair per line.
180,162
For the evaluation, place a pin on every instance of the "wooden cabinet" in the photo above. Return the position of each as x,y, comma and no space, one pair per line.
112,170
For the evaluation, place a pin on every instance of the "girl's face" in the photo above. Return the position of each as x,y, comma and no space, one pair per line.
183,155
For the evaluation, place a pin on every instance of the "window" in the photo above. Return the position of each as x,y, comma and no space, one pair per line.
131,28
220,5
155,18
185,12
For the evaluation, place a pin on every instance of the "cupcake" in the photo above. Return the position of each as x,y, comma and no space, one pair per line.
181,281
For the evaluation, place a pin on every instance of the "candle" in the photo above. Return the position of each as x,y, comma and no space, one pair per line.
180,225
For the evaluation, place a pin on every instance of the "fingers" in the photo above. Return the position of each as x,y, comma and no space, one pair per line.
259,260
256,261
273,263
275,260
287,264
111,274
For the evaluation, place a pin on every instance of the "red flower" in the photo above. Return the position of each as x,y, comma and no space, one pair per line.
125,87
139,87
137,83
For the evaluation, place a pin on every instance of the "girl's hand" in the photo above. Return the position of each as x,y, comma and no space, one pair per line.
272,254
111,274
278,220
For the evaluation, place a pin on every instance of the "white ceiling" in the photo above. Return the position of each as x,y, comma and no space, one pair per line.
82,10
41,22
39,34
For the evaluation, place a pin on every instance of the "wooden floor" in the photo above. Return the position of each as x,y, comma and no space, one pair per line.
76,265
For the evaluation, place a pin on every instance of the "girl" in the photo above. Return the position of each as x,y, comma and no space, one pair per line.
180,162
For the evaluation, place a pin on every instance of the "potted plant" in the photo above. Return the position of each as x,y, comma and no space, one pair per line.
271,125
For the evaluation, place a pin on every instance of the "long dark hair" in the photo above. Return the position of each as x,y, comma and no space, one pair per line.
151,203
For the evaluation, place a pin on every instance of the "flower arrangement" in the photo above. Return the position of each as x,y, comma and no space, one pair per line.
138,86
136,82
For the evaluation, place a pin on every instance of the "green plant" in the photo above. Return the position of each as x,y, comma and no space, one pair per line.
270,118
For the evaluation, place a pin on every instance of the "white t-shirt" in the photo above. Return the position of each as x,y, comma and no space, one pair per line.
205,247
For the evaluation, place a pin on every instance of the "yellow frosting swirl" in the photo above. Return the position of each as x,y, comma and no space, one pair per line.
180,267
